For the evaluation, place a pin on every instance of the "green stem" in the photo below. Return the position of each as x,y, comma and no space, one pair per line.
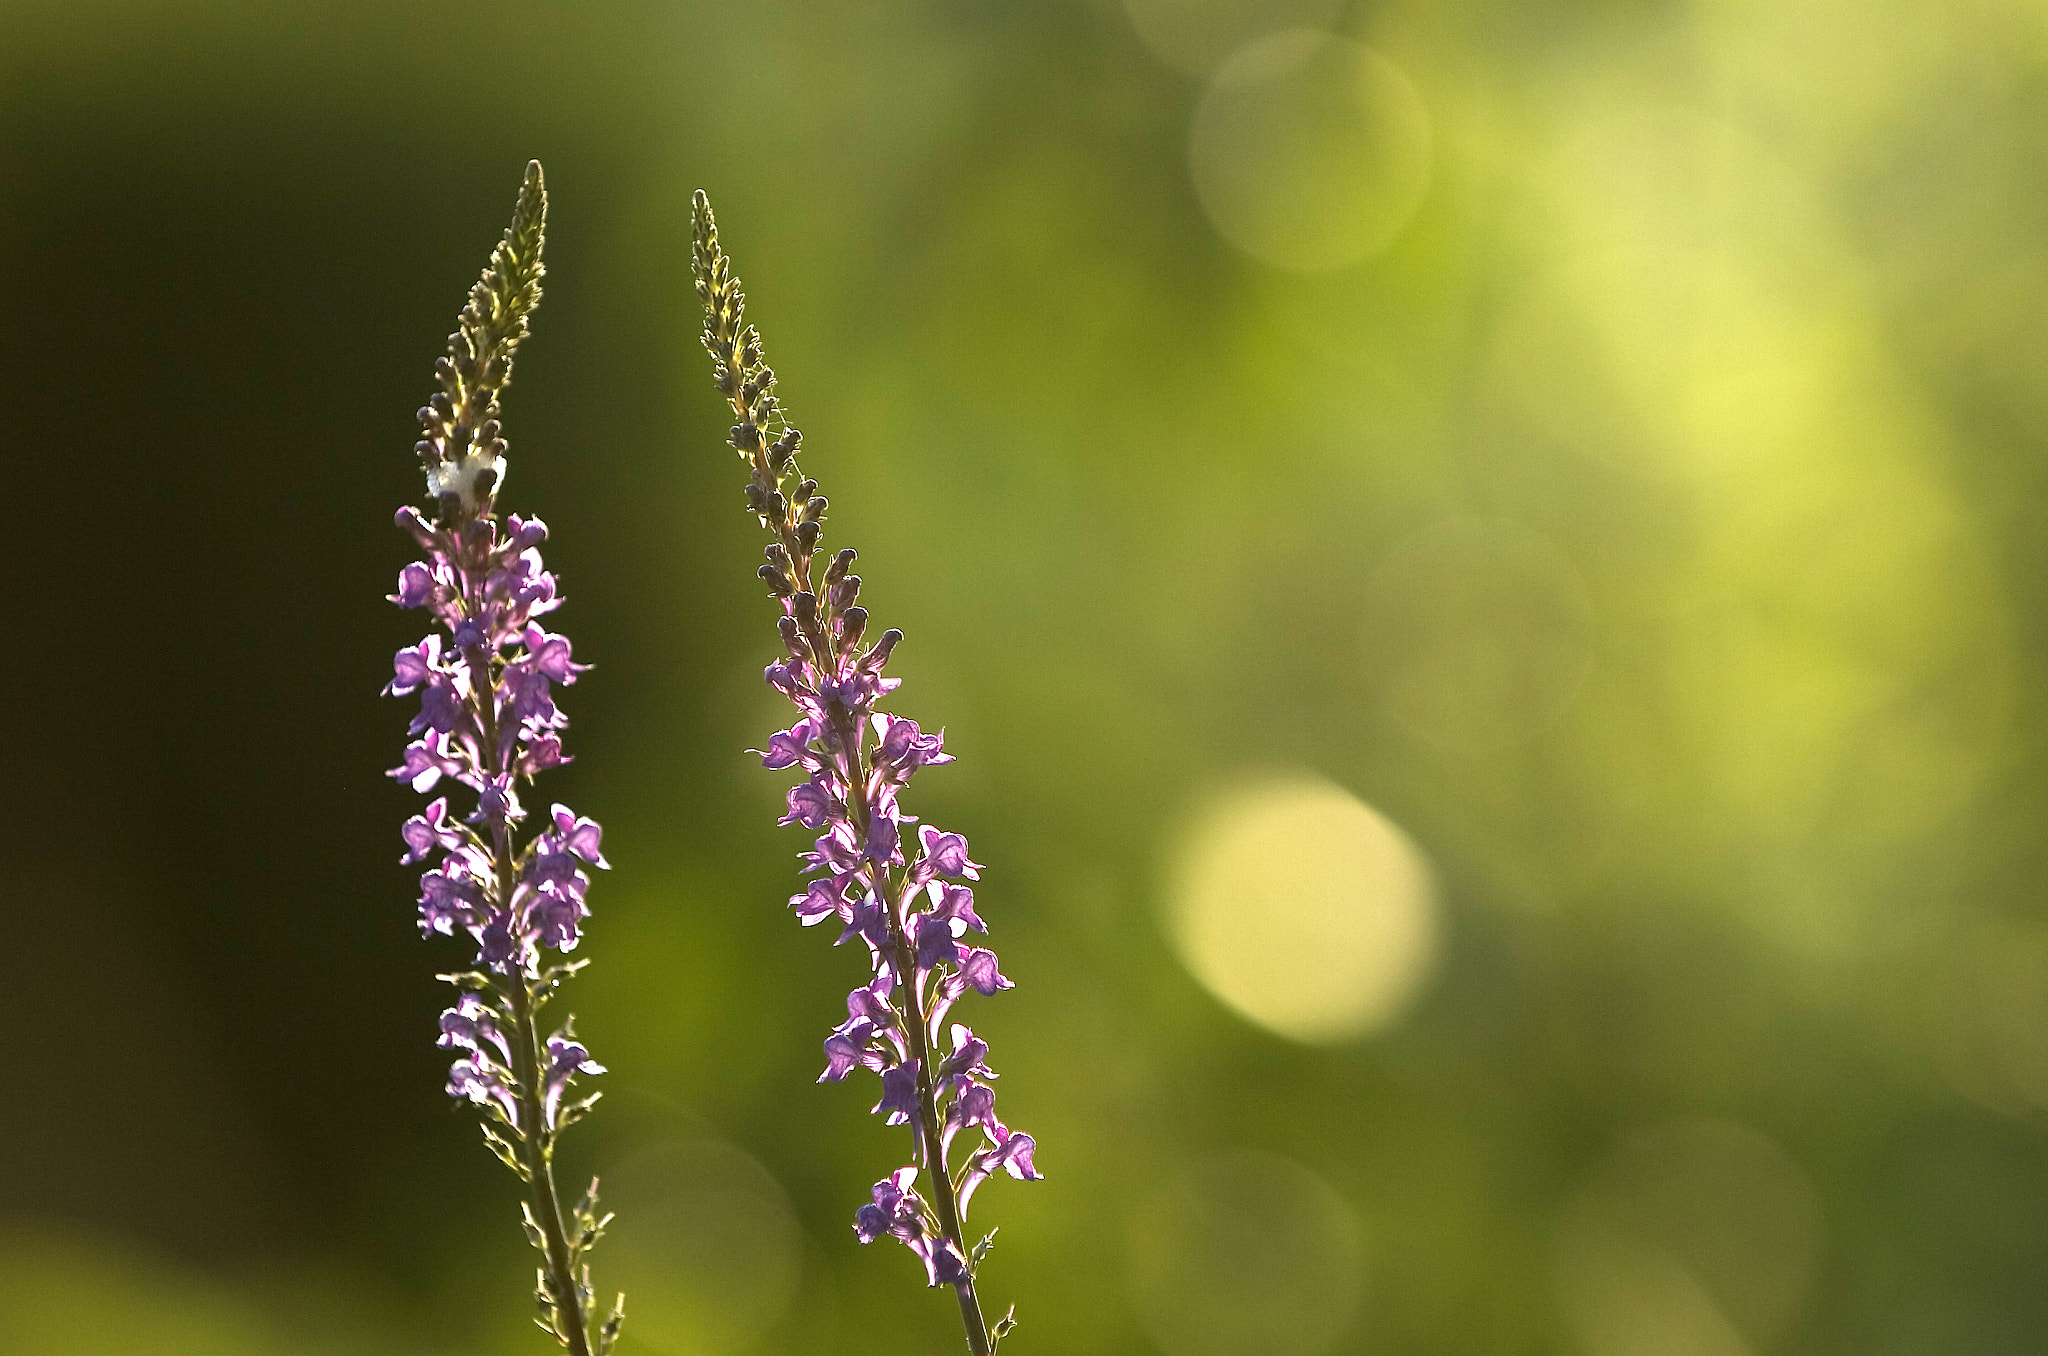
570,1321
528,1054
934,1149
851,739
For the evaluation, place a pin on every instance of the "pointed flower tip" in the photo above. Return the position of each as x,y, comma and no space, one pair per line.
702,224
525,237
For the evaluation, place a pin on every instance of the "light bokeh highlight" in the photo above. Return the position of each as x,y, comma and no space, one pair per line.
1302,908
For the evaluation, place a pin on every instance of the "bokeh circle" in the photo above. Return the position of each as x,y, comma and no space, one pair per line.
1310,151
1302,908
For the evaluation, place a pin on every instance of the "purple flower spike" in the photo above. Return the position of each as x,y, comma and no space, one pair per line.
487,721
855,763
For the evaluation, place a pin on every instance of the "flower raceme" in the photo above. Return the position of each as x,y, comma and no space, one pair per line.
893,884
488,723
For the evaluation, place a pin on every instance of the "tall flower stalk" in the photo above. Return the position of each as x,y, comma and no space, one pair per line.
488,722
910,908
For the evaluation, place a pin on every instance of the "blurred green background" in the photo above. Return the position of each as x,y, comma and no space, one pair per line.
1484,563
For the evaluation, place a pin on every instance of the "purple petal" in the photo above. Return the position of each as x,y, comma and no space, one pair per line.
812,803
787,748
844,1050
899,1094
945,854
870,1222
871,1002
883,841
979,970
415,586
822,900
447,901
955,903
969,1057
1015,1156
975,1106
580,835
867,920
413,665
566,1058
525,533
935,944
416,526
440,707
426,762
543,753
427,831
549,654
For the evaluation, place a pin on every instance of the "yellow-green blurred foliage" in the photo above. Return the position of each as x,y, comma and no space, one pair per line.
1483,561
